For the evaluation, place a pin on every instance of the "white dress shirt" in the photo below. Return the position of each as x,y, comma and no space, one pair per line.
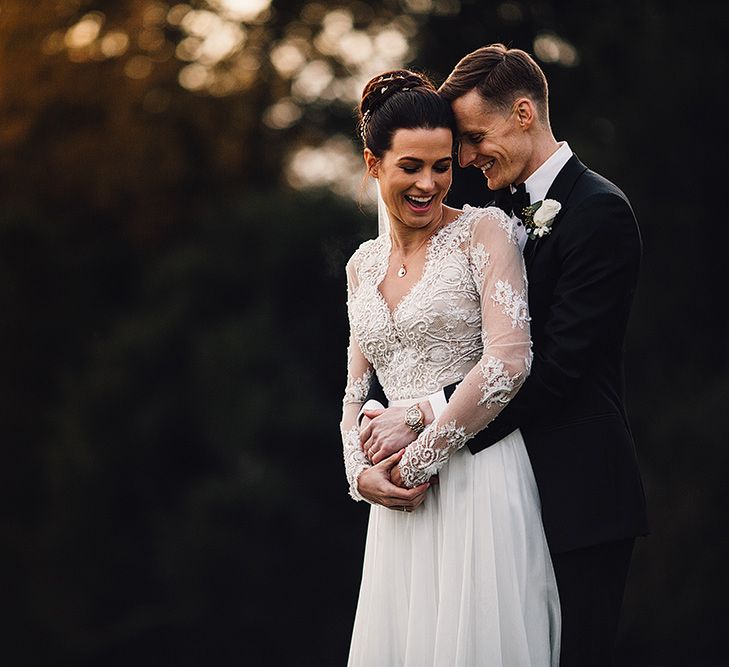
539,183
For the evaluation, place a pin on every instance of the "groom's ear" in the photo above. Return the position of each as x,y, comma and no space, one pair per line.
525,112
372,162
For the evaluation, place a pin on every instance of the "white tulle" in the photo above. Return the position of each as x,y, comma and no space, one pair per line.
383,218
465,580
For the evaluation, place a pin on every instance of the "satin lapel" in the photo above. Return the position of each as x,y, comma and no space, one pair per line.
560,191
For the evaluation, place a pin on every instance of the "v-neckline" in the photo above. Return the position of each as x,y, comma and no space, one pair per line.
428,257
428,248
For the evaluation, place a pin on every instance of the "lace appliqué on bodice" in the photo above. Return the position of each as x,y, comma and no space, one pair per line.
433,335
466,320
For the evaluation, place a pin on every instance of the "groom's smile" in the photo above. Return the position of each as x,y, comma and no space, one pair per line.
485,167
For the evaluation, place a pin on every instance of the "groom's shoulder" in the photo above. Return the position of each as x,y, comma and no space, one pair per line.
591,184
598,209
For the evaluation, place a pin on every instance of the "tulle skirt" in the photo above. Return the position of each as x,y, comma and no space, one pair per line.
466,579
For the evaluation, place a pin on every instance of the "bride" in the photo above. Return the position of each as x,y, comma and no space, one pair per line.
458,572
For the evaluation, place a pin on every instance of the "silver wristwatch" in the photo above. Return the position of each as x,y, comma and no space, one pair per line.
414,418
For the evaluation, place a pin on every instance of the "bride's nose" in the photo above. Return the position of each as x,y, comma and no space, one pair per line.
425,181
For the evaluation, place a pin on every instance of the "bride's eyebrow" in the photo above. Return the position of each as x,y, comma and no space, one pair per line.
417,160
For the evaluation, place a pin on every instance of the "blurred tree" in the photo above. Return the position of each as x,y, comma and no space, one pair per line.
172,501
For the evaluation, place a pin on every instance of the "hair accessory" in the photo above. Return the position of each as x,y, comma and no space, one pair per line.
367,115
363,125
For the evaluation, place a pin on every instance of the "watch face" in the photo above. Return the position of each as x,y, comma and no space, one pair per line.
413,416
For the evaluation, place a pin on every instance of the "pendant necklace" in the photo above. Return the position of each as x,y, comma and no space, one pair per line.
403,270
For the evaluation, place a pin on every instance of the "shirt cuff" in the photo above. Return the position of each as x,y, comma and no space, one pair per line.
438,403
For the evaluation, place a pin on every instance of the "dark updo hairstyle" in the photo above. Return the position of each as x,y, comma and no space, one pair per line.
400,100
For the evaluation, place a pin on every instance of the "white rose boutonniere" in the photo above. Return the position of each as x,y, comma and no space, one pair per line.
538,217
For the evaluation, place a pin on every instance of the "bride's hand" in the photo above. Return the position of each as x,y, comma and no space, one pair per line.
387,432
374,485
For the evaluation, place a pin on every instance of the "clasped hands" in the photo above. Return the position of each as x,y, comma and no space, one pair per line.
384,435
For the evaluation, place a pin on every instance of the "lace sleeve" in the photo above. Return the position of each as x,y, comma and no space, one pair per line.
359,377
499,274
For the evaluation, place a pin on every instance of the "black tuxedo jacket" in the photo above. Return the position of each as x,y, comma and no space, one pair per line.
571,412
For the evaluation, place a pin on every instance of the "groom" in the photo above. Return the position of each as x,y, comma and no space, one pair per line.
582,274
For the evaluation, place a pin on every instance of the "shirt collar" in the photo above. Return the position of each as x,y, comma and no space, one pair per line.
538,184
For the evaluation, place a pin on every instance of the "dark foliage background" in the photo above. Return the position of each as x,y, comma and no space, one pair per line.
173,327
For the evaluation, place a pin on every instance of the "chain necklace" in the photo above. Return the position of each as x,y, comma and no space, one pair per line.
403,270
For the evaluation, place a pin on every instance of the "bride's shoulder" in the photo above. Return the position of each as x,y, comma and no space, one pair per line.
484,214
486,222
365,253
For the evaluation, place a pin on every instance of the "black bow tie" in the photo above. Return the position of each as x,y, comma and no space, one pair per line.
513,203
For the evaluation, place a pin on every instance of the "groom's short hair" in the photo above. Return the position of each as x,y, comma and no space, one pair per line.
499,75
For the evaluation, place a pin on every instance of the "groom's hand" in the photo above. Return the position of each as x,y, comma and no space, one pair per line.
386,431
374,485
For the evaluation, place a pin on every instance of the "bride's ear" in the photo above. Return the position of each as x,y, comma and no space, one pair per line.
372,162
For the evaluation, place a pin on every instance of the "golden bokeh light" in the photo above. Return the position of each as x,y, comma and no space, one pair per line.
211,37
355,47
249,61
314,12
200,22
188,48
177,13
325,56
85,32
241,10
154,14
418,6
114,44
194,77
336,164
511,12
282,115
391,43
288,57
551,48
335,25
312,80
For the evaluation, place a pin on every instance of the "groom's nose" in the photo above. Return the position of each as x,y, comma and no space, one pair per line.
466,155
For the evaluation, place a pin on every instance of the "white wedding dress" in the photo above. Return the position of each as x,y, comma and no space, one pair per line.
465,580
